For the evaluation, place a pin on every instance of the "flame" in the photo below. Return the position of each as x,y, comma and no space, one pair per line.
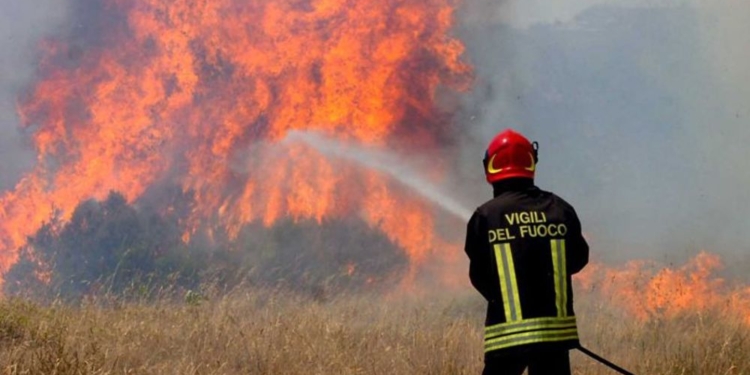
648,290
193,91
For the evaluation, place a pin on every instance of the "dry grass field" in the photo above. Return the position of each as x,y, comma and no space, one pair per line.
265,332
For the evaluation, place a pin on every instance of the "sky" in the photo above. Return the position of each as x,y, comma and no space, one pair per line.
640,108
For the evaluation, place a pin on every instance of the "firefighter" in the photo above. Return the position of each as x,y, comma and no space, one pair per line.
523,247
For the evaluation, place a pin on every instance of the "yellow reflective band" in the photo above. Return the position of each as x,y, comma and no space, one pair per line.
535,324
561,276
534,321
531,338
513,282
564,278
503,281
508,285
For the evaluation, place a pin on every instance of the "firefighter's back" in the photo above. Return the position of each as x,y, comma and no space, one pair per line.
538,234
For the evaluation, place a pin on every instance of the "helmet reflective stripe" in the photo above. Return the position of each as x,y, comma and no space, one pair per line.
510,155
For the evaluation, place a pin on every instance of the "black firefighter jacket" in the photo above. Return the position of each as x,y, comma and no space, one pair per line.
523,247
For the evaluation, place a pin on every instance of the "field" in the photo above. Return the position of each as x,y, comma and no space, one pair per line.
267,332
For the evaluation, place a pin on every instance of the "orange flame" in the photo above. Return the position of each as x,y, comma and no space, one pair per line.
648,290
189,91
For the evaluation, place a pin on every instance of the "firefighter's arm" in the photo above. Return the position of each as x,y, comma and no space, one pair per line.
479,256
578,249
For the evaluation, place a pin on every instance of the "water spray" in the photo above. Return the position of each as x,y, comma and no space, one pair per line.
384,162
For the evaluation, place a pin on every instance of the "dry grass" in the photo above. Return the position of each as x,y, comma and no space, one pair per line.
275,333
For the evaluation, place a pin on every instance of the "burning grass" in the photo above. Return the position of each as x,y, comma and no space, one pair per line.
261,332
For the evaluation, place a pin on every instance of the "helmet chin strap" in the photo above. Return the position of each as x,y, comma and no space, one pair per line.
535,147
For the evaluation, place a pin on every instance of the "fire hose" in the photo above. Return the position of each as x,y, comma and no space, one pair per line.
604,361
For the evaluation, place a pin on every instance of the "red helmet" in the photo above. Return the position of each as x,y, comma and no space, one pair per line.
509,155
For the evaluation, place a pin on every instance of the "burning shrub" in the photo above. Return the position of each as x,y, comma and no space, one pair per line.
112,247
106,246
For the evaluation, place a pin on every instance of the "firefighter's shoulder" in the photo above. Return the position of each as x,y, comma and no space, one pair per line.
561,200
562,203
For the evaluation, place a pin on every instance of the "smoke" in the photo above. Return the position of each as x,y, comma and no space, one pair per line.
523,14
640,109
722,114
22,25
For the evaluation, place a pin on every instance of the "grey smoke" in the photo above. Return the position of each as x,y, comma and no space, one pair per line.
640,109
